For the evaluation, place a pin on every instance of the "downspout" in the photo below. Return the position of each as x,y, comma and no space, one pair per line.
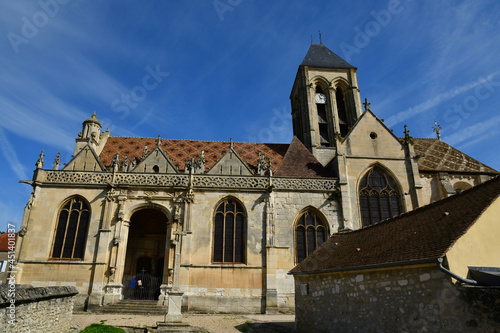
455,276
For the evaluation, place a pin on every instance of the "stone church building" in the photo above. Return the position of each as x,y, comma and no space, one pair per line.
224,222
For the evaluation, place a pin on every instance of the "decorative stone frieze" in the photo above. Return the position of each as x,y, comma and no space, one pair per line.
179,180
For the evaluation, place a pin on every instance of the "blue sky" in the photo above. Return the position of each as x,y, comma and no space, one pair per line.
225,68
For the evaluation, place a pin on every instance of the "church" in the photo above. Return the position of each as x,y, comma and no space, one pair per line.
222,223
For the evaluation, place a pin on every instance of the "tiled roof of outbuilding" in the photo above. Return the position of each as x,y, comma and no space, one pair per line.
4,242
426,233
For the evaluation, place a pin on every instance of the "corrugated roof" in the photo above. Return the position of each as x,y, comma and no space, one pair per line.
422,234
319,55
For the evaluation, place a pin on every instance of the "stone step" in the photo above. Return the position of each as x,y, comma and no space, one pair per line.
134,307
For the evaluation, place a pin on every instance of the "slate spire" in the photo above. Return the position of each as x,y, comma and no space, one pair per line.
321,56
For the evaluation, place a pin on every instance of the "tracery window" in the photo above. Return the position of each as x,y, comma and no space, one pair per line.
310,233
229,232
71,230
379,197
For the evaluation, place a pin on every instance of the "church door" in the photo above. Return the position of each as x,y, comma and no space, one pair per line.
143,272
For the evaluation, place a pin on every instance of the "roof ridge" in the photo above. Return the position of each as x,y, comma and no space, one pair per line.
216,141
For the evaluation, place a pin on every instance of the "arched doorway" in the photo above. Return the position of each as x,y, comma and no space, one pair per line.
145,255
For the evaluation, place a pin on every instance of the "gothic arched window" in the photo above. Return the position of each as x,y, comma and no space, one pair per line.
379,197
229,232
71,232
310,233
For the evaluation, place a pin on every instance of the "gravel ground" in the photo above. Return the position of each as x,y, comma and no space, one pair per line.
213,323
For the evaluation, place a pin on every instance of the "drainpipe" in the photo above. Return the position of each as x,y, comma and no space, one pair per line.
455,276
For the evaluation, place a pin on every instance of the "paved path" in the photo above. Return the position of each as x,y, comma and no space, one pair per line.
213,323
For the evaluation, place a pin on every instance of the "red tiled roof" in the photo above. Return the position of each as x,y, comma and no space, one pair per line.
426,233
179,150
437,155
4,242
300,163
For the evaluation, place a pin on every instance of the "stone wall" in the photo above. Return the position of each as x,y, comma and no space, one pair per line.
401,299
47,309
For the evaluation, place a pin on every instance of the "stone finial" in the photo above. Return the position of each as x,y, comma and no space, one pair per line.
261,164
133,163
125,164
231,144
408,138
158,141
39,162
57,162
145,152
367,105
269,170
437,128
116,162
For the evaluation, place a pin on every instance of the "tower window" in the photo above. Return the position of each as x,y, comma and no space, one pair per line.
310,233
379,197
342,112
229,233
71,231
320,99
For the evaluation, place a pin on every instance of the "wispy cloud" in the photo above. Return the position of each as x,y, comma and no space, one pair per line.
471,132
11,157
435,101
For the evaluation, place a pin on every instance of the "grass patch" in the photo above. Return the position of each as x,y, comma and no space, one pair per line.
99,328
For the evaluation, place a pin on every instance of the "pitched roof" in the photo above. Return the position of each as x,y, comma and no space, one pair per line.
424,234
4,242
179,150
320,56
300,163
437,155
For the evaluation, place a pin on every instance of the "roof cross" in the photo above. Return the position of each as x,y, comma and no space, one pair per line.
366,105
437,129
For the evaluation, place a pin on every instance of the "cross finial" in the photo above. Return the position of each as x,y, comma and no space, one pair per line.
320,37
366,105
437,129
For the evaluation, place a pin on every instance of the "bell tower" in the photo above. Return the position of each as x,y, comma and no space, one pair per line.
325,101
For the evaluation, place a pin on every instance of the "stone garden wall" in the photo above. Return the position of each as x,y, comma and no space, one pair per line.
393,300
24,308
